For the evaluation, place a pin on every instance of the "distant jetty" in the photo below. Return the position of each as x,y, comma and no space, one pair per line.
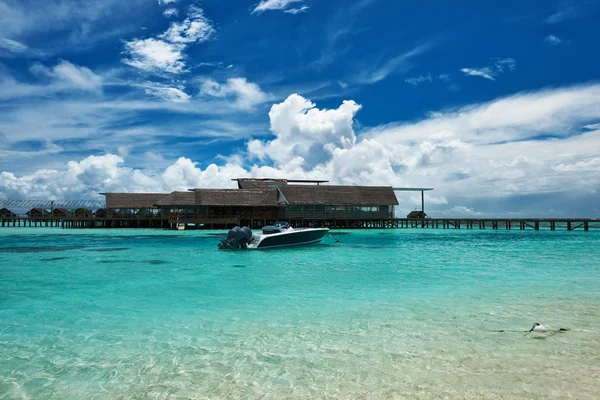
257,203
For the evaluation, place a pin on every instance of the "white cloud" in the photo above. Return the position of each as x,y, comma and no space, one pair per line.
165,92
270,5
415,81
246,94
195,28
155,55
165,53
498,66
166,2
494,149
378,71
462,210
591,165
295,11
564,12
64,77
171,12
67,26
69,75
482,72
13,46
554,40
305,133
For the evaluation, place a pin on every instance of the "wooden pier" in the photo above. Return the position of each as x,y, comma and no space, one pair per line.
191,222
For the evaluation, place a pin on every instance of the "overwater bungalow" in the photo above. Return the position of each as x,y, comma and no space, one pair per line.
61,213
6,213
257,202
416,214
38,213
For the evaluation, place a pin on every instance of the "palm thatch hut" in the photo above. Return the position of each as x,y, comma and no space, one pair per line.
6,213
61,213
38,213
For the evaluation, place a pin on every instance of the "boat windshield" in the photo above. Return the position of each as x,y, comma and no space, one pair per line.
281,225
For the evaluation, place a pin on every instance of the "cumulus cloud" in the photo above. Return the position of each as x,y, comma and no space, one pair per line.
498,66
155,55
495,149
245,94
166,2
107,173
270,5
305,133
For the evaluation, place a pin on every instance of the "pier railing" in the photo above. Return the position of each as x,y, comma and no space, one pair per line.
226,221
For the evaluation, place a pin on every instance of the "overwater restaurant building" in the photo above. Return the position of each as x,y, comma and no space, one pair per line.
258,202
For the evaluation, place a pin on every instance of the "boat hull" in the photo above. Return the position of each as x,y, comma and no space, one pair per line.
292,238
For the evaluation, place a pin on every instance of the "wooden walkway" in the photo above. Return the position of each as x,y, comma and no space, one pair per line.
393,223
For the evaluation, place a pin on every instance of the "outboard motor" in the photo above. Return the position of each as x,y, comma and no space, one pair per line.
237,238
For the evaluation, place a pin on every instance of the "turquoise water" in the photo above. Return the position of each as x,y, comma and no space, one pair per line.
110,314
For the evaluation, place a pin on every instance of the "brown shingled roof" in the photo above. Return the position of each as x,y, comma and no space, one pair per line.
263,183
236,197
178,199
342,195
133,200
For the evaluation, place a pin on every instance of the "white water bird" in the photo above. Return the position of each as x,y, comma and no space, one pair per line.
538,328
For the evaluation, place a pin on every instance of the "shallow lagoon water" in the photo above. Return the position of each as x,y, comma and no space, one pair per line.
105,314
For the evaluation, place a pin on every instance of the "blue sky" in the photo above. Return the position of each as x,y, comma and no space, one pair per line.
495,104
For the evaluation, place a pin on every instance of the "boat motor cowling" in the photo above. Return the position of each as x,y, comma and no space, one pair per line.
237,238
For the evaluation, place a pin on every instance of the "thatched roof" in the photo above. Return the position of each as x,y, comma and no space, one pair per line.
416,214
263,183
38,211
236,197
60,212
178,199
5,212
133,200
339,195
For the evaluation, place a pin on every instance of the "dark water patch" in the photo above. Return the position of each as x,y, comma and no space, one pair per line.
55,258
107,249
335,233
114,261
39,249
238,266
157,262
145,237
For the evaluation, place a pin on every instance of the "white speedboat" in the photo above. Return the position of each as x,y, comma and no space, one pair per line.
281,234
